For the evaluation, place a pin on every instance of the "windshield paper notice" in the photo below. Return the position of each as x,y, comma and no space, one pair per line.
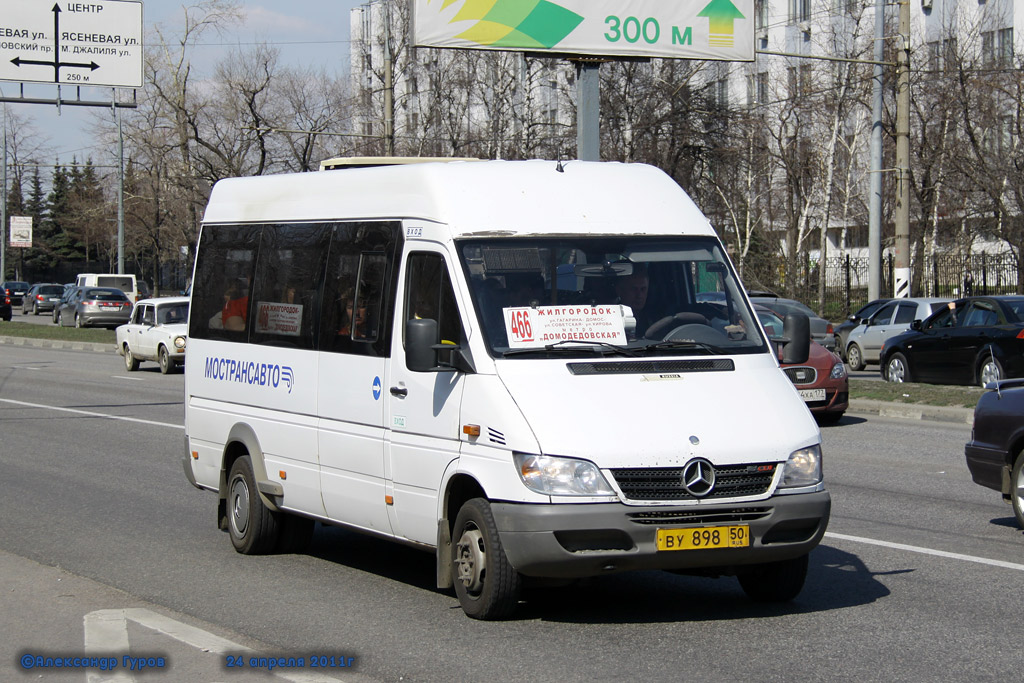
531,327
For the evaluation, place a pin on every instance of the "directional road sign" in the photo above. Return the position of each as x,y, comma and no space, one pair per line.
97,43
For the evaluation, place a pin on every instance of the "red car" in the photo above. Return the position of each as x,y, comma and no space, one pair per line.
822,381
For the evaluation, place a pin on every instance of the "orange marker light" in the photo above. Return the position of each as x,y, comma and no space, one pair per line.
471,430
195,455
284,475
389,500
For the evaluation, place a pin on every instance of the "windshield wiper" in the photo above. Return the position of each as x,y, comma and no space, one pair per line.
691,345
570,345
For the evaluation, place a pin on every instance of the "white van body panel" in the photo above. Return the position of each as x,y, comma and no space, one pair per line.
510,197
648,420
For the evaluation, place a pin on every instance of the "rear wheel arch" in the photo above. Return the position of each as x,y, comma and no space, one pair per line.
242,441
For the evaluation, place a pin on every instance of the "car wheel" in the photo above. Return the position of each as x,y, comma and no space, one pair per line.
486,583
78,321
828,418
252,526
1017,489
854,357
35,308
896,369
164,359
775,581
989,370
131,363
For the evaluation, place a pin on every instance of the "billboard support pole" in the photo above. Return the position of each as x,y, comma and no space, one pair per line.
588,106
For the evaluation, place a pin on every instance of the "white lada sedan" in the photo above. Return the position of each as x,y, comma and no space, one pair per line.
156,331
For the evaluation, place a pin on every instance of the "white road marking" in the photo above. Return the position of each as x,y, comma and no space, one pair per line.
92,414
926,551
130,379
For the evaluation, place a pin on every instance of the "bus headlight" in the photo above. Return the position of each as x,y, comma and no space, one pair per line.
803,468
561,476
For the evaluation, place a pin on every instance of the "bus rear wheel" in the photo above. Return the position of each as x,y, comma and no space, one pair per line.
253,528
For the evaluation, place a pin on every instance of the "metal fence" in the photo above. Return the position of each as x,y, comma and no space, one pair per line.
943,275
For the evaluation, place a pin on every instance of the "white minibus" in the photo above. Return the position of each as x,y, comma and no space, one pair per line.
537,371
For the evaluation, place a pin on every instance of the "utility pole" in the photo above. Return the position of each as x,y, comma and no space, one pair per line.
902,213
875,192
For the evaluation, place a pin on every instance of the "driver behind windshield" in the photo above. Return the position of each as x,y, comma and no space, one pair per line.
632,291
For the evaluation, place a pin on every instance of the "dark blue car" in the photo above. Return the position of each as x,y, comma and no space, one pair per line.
994,453
976,340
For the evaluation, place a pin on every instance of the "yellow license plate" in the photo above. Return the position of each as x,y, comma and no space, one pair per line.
700,538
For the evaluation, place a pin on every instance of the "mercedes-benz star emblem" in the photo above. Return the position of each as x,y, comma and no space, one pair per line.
698,477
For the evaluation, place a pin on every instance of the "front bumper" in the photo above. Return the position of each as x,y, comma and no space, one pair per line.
574,541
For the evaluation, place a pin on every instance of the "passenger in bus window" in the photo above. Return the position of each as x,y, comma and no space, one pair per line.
236,306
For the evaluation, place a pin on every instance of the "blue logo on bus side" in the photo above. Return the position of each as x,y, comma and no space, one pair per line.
377,388
250,372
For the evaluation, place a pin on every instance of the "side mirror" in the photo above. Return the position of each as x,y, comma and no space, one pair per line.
420,338
916,325
797,331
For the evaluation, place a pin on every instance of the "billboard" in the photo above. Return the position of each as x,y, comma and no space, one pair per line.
690,29
21,231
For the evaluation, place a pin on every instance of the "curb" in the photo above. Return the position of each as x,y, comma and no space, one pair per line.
911,411
93,347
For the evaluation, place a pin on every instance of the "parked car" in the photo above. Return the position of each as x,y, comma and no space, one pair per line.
13,292
995,453
844,328
866,340
5,311
822,381
156,331
822,330
69,291
41,296
99,306
976,340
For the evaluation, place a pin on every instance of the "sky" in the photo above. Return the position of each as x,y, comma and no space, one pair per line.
307,32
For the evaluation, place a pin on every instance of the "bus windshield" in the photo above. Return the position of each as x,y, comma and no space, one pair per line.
587,294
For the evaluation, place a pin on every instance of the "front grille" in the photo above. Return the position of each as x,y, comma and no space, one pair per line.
645,367
700,516
666,483
802,375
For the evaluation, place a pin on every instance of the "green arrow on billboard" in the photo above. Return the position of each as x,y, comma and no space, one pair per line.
721,15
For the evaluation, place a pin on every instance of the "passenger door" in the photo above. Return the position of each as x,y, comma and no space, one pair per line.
875,332
355,341
423,407
144,333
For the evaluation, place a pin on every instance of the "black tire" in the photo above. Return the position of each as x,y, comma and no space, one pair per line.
486,583
989,369
896,369
164,358
131,363
855,357
296,533
1017,489
35,308
254,529
775,581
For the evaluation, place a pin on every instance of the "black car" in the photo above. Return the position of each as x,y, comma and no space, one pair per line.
844,328
976,340
5,311
994,453
13,292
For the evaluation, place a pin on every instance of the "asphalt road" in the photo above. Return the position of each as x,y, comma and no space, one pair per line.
916,580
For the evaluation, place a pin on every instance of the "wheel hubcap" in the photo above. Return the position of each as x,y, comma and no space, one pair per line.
471,559
1018,490
989,373
239,507
896,371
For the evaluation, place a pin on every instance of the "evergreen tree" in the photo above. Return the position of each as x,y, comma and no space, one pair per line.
65,244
